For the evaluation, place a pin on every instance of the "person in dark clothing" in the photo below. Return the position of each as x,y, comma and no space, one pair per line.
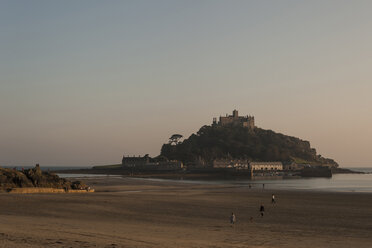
232,219
262,210
273,199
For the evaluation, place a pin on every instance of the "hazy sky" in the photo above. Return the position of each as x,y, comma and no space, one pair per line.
84,82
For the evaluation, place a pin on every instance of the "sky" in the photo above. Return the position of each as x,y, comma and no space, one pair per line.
84,82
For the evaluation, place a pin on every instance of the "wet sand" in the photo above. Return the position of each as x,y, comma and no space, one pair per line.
141,213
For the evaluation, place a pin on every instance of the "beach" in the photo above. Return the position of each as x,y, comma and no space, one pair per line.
128,212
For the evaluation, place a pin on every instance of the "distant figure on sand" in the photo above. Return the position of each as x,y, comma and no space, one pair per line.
273,199
232,219
262,210
263,186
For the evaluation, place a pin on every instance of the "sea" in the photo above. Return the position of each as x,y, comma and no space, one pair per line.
353,183
361,183
337,183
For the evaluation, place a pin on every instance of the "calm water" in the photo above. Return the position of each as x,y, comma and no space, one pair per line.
338,183
82,176
49,168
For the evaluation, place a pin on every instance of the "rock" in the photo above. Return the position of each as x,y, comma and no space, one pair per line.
35,177
78,185
13,178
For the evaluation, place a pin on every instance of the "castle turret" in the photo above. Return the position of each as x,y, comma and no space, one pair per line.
235,119
235,114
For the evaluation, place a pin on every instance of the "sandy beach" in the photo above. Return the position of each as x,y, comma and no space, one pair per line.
126,212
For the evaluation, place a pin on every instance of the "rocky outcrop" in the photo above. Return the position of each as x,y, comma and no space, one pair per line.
36,178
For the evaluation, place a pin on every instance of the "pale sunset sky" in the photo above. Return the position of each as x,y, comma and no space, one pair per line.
84,82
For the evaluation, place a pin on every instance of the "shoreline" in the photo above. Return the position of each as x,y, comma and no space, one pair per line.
209,173
127,212
290,184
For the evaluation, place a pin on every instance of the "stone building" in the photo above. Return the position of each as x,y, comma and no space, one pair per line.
295,167
230,163
245,165
144,163
266,166
135,161
170,165
235,119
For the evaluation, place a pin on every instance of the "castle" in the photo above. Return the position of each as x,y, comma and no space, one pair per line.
235,119
132,161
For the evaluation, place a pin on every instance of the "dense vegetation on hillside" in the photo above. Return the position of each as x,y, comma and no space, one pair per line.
217,142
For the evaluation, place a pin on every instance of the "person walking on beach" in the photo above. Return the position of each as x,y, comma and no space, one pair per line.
273,199
232,219
262,210
263,186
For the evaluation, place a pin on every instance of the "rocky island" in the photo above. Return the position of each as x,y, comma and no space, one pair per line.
232,146
237,138
35,180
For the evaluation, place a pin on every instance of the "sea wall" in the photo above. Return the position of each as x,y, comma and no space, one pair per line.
316,172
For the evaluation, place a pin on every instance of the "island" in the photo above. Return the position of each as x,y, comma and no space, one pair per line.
232,146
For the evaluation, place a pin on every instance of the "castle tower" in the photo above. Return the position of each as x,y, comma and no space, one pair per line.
235,114
235,119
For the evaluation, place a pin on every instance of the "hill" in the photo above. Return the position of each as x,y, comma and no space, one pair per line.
237,142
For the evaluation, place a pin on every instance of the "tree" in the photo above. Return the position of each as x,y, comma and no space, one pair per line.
175,139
